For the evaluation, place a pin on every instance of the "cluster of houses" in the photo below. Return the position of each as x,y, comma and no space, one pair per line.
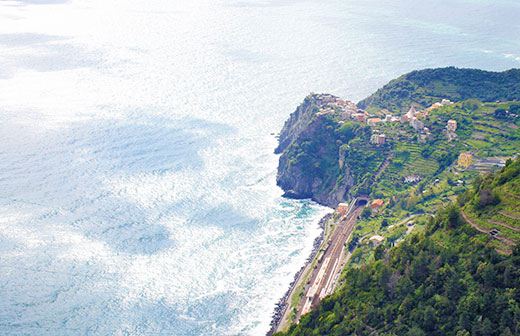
347,110
331,104
451,127
412,117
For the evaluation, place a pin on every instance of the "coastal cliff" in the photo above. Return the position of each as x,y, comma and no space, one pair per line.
400,147
312,143
333,150
297,122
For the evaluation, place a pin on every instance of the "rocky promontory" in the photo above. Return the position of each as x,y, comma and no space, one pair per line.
312,161
329,153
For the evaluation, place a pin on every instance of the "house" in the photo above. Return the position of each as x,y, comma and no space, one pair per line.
412,178
452,125
376,204
342,208
376,240
417,124
465,160
434,106
378,139
404,119
411,113
440,104
359,117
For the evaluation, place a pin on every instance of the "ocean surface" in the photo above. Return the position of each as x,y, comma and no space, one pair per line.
137,176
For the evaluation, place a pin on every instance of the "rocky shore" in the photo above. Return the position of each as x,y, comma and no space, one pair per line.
283,304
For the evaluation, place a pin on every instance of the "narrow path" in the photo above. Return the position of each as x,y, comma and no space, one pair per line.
503,239
383,166
404,220
504,225
507,214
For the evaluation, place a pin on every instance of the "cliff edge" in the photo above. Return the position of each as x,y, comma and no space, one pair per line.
312,164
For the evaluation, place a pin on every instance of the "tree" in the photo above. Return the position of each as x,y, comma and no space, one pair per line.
500,113
415,331
366,212
379,252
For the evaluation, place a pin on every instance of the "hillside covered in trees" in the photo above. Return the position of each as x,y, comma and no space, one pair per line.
450,279
425,87
448,261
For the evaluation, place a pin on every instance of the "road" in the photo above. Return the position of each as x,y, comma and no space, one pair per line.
324,276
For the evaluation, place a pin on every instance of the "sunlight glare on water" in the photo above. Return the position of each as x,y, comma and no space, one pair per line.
137,175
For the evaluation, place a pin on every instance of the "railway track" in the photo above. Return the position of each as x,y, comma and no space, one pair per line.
323,278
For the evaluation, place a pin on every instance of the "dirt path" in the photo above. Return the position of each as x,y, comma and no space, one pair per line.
503,239
383,166
509,215
504,225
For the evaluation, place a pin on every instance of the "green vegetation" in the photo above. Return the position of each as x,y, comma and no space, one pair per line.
426,87
453,274
494,203
329,158
478,131
409,152
317,153
446,280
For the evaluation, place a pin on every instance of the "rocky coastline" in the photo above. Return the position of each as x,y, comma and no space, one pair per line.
283,304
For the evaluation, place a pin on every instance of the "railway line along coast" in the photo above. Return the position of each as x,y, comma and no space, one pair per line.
319,277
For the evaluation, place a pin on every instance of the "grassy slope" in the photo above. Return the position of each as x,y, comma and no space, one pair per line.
479,131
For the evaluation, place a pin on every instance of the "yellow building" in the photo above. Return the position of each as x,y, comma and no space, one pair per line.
465,160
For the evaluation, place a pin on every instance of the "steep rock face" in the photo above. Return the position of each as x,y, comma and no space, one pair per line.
297,123
310,164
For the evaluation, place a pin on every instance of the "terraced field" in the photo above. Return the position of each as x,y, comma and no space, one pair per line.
504,216
413,163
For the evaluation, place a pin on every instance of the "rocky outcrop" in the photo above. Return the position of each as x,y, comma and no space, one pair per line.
297,184
298,121
309,166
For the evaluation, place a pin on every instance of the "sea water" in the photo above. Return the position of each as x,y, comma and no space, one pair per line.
137,176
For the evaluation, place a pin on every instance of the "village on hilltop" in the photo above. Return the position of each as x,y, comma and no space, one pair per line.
347,110
417,132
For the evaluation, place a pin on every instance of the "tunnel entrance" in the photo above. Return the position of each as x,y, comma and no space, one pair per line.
361,202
